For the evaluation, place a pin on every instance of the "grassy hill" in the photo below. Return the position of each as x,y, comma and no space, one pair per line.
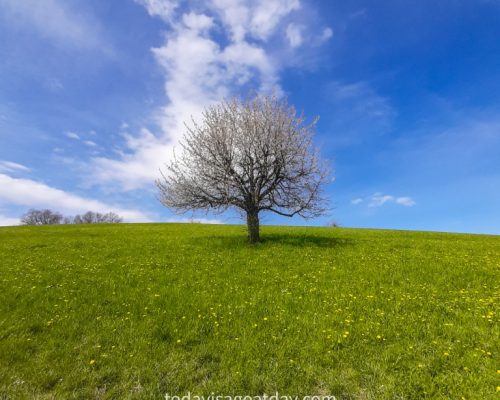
137,311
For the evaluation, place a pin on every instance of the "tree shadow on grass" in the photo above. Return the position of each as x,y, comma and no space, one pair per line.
281,239
304,240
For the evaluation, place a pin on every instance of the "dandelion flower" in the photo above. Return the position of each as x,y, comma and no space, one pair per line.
92,362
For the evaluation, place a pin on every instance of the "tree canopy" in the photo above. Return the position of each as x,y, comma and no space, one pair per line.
255,155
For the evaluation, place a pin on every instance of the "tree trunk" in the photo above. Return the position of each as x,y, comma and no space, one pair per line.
253,227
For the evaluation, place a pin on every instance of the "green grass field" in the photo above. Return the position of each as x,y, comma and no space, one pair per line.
138,311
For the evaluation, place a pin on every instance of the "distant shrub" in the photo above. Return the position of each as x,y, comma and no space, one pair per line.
49,217
41,217
91,217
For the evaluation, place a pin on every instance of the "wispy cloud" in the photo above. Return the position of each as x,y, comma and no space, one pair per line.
55,20
326,34
358,112
362,97
294,35
29,193
379,199
75,136
362,13
468,144
53,84
72,135
9,166
405,201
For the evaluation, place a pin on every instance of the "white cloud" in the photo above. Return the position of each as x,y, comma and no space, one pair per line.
160,8
8,221
294,35
326,34
379,199
54,19
72,135
29,193
235,16
257,18
9,166
267,14
405,201
197,22
77,137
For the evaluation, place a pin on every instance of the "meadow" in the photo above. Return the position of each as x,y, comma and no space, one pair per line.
137,311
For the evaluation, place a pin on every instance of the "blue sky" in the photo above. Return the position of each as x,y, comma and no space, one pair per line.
93,96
